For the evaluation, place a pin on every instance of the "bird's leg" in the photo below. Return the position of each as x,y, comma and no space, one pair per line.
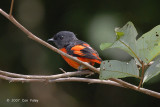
81,67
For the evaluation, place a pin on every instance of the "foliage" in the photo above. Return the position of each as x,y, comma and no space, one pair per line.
143,51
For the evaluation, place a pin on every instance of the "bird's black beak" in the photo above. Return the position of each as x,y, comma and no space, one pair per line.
51,40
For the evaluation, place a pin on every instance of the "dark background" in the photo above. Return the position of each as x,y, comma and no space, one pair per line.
92,21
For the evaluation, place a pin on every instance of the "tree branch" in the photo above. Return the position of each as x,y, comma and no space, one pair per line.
77,79
67,74
70,79
23,78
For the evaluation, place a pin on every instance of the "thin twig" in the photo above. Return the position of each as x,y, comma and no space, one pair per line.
62,70
67,74
11,9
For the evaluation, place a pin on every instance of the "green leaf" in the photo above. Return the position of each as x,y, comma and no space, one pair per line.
148,45
105,45
152,71
118,69
127,42
126,39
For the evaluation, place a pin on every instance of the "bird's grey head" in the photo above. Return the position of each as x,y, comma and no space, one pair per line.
63,38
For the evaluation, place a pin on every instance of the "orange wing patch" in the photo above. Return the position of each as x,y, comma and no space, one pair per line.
85,44
94,54
77,48
95,60
79,53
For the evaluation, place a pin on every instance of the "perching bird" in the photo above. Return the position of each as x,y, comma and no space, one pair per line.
67,42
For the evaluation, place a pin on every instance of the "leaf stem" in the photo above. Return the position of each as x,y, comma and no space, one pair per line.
132,51
142,75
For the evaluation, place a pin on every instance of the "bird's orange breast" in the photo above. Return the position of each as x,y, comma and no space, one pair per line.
69,61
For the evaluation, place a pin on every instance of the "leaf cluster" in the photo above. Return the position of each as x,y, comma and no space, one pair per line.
143,50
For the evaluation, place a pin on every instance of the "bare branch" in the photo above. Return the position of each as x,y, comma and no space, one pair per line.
71,79
76,79
10,79
67,74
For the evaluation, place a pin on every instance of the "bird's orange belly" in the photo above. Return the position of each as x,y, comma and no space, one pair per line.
71,62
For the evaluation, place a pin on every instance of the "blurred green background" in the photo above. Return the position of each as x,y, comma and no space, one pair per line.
92,21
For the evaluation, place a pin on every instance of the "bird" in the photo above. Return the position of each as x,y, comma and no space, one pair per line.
67,42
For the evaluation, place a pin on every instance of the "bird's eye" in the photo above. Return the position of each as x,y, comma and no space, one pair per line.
61,37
